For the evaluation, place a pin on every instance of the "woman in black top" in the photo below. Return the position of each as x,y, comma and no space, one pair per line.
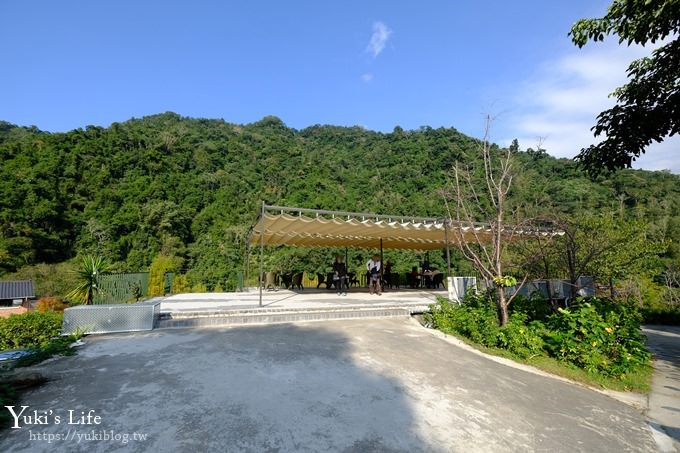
340,275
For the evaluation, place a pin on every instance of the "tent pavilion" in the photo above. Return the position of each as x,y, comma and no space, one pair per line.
280,225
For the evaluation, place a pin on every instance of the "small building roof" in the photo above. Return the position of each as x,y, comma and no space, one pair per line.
16,289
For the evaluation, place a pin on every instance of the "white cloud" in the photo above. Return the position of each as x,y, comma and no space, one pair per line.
381,34
367,77
560,103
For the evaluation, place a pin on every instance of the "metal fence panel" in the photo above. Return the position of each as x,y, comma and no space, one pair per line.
111,318
121,288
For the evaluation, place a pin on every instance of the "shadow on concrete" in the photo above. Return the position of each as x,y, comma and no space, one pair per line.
264,388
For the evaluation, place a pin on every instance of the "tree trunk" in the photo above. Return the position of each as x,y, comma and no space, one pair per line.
501,307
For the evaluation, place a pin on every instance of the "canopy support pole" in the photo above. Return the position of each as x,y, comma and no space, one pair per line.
382,263
448,251
259,277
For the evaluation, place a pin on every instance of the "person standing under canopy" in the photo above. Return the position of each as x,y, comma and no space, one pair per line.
373,268
340,275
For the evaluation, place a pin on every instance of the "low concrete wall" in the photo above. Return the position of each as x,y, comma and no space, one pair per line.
111,318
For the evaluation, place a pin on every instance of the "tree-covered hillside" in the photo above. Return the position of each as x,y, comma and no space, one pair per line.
191,188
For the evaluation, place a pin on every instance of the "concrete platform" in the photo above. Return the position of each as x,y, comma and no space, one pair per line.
220,309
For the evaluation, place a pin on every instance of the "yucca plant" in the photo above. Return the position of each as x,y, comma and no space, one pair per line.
90,268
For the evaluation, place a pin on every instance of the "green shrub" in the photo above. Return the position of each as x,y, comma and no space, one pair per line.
51,303
199,288
521,338
180,284
29,330
599,336
663,316
536,308
475,320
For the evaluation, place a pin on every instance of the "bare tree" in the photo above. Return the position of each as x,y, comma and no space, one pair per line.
476,196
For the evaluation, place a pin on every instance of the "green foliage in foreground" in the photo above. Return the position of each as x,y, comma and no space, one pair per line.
29,330
598,336
57,346
39,333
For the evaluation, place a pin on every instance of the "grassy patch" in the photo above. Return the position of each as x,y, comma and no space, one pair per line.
596,341
638,381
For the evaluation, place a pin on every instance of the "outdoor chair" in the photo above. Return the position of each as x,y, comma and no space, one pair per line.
330,283
391,280
287,280
270,280
352,279
320,278
412,281
437,280
297,281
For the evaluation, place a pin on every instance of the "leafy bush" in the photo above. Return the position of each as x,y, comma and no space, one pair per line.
180,284
57,346
159,267
521,338
599,336
536,308
476,320
49,279
29,330
46,304
199,288
662,316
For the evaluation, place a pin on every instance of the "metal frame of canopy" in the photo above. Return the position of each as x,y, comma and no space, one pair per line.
302,227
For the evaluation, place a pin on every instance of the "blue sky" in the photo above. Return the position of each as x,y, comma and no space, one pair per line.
376,64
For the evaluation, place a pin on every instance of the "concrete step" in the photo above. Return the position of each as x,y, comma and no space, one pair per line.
273,316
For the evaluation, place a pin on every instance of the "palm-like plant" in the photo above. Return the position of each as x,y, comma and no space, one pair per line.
89,270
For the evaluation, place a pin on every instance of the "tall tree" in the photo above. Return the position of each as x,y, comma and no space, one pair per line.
647,108
481,195
606,247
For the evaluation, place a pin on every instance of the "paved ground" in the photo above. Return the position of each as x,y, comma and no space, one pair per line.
664,399
295,300
370,385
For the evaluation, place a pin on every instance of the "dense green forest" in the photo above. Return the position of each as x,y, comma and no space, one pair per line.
188,188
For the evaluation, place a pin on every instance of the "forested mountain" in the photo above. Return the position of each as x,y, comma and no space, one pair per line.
191,188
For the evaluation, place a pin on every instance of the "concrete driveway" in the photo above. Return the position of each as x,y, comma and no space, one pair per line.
370,385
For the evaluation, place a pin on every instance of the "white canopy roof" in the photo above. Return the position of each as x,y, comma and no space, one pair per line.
317,228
